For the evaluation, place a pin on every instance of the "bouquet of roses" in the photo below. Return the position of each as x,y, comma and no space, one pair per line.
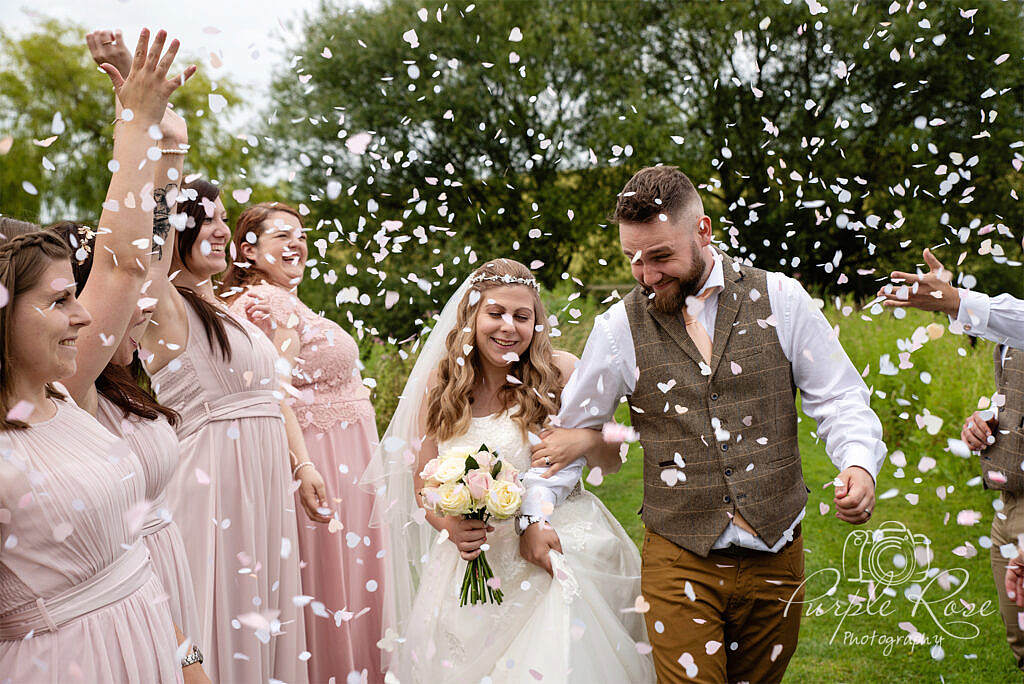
475,484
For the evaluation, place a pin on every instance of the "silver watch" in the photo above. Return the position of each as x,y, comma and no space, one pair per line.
194,656
524,521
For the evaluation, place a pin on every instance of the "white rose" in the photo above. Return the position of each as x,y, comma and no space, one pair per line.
454,499
504,499
451,469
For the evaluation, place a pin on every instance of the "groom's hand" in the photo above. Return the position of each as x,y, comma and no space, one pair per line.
855,495
537,540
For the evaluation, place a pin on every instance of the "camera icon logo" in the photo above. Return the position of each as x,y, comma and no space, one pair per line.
889,555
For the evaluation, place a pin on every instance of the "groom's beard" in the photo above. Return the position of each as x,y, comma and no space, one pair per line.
673,299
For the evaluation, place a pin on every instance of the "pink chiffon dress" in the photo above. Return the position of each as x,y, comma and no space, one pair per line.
231,497
79,601
156,445
342,562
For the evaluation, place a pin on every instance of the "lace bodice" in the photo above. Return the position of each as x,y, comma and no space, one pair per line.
326,372
500,433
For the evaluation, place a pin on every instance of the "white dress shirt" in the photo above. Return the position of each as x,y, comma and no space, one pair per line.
999,319
832,390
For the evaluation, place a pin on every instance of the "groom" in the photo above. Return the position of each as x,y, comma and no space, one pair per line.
710,353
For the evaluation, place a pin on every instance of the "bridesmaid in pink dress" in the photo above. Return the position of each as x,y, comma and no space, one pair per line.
232,492
79,601
75,578
343,562
110,392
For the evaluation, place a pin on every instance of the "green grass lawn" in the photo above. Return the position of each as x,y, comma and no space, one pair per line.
825,653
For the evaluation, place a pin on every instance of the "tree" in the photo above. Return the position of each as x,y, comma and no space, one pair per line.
56,113
827,140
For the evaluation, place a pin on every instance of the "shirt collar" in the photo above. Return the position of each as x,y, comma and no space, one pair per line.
717,276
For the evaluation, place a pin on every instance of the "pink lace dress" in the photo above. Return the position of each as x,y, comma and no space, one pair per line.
79,601
343,562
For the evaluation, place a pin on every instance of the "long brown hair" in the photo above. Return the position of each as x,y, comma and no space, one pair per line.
190,203
23,259
118,384
538,392
242,272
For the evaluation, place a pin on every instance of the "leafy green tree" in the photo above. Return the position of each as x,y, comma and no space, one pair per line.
831,140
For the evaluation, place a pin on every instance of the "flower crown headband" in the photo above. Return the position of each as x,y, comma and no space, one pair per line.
507,280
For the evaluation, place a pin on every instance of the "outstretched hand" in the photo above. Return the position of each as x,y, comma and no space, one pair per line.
107,47
146,89
929,292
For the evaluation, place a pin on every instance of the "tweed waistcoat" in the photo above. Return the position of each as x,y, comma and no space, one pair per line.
1001,462
718,437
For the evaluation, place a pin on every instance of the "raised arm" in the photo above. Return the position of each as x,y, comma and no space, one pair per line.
121,251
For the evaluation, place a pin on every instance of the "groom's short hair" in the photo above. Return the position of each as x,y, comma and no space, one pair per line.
656,190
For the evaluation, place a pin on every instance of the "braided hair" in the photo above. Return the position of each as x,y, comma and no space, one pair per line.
23,260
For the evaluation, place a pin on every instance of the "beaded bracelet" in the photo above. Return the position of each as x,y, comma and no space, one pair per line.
299,467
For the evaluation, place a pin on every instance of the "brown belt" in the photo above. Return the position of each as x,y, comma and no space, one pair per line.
743,552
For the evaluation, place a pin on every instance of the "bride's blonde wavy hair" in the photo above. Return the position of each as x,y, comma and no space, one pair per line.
537,395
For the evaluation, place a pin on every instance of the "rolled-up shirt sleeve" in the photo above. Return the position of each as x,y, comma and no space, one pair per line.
832,391
999,319
589,400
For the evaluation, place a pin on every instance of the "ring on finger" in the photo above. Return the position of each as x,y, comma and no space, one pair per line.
547,461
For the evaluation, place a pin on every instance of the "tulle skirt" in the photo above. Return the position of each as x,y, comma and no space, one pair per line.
579,626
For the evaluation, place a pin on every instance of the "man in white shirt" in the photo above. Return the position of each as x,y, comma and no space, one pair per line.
997,438
709,353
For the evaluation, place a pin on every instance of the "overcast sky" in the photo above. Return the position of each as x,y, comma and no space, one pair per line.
246,36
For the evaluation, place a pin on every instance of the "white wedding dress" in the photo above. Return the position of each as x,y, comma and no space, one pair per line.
580,626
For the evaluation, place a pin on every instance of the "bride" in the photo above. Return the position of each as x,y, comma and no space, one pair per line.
488,375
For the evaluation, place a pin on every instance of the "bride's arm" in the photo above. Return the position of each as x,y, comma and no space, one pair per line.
467,535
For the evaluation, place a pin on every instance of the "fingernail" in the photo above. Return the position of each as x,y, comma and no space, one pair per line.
1011,595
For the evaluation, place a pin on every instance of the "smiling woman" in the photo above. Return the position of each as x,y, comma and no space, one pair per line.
75,579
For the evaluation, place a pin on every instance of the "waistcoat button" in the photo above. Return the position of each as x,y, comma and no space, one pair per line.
725,447
726,499
714,396
728,472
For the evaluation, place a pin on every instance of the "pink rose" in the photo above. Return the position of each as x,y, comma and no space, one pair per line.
508,473
485,459
479,483
431,468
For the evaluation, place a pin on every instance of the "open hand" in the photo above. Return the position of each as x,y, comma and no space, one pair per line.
538,539
313,494
977,430
855,496
928,292
146,88
107,47
468,536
